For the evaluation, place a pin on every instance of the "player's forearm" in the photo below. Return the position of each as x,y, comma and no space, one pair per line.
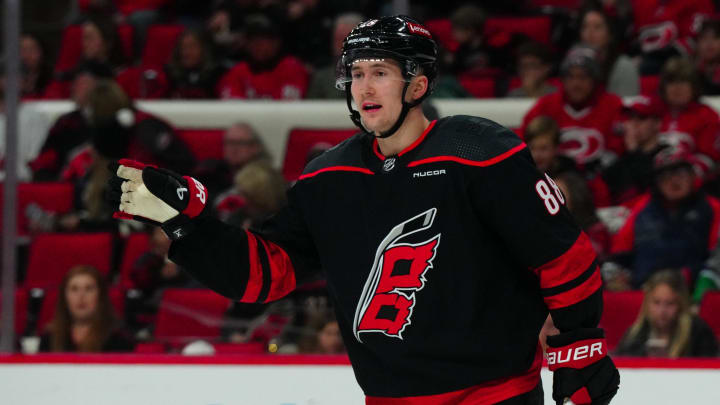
216,254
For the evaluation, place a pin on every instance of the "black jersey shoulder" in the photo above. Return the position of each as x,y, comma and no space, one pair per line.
346,154
471,139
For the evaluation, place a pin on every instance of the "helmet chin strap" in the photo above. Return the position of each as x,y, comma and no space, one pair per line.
355,115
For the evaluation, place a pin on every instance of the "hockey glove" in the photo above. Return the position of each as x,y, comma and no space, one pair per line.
582,371
156,196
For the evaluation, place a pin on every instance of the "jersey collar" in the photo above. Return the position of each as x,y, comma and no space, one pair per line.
376,147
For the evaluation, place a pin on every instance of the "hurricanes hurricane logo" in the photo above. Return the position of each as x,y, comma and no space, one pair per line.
388,298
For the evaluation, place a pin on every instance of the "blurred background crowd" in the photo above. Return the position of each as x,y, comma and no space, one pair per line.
618,121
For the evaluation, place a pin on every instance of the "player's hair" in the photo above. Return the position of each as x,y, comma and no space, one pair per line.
102,323
542,126
680,338
680,69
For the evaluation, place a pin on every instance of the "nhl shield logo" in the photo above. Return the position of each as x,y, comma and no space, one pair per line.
389,164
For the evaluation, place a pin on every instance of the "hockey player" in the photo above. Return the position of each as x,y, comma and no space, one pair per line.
442,245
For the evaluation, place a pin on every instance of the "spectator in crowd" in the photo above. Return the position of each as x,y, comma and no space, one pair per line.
241,145
70,130
707,57
36,68
675,226
84,320
579,200
542,136
101,43
534,65
474,56
193,72
268,73
666,327
140,14
687,123
322,337
322,84
587,115
709,277
631,175
667,29
259,192
618,71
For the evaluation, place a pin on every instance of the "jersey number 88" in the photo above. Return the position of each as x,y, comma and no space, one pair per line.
552,199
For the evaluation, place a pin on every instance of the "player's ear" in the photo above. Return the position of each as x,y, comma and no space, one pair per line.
418,86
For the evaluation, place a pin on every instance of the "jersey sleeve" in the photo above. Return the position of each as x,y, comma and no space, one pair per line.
527,210
255,266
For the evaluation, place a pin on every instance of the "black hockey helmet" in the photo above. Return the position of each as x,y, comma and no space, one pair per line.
399,38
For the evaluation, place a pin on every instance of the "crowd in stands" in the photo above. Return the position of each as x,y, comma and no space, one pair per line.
618,121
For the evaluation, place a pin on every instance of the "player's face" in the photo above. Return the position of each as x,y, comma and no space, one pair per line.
578,85
377,88
82,294
543,151
663,307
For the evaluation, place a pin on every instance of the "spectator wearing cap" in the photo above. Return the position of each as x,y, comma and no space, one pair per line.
534,65
674,226
687,122
70,130
268,73
707,56
587,115
631,175
600,30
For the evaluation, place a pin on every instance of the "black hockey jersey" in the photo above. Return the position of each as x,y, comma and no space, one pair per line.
442,261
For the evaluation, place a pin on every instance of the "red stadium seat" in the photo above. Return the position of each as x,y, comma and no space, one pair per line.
538,28
53,254
47,310
649,85
441,30
135,245
190,313
51,197
21,309
71,46
480,87
619,312
710,310
160,44
150,347
203,143
301,141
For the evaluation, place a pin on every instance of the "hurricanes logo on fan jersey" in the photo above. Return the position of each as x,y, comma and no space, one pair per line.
398,271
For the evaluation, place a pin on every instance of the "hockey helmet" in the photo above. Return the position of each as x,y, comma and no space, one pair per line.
399,38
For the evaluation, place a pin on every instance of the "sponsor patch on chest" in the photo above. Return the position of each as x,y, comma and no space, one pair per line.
429,173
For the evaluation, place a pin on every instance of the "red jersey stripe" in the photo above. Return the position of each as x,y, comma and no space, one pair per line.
255,279
281,270
376,147
484,163
337,169
577,294
569,265
484,394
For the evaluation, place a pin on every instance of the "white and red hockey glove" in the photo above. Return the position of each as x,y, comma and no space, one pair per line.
582,370
156,196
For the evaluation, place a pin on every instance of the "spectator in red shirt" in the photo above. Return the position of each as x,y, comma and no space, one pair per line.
587,115
687,123
267,73
193,72
707,57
